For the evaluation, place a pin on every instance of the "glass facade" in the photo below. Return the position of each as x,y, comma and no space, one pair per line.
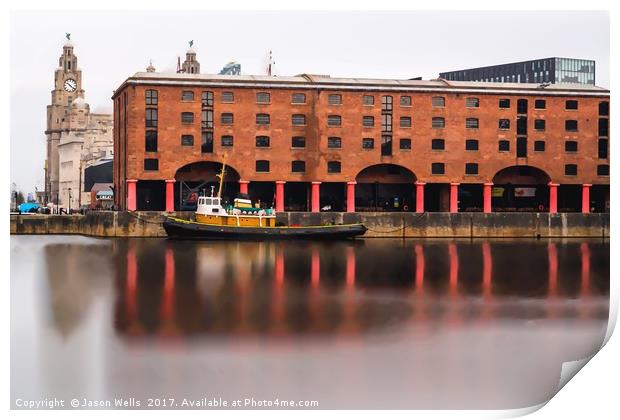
546,70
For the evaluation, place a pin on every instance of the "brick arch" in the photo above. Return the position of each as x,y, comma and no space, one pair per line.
205,171
387,173
523,174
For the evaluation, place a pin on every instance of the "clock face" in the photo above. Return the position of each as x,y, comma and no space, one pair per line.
70,85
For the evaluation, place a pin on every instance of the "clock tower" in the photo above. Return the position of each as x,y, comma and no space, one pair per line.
67,88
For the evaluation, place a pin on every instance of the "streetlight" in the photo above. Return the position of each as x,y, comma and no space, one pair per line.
69,200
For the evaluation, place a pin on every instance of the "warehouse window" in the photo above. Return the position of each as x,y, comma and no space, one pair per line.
539,146
405,122
298,119
386,103
262,119
386,122
228,97
263,98
207,118
187,117
472,102
438,122
438,168
368,121
334,120
471,169
262,166
405,101
187,140
602,148
539,125
151,118
504,103
151,164
603,127
207,142
540,104
187,95
227,141
571,125
405,144
227,118
504,146
298,98
151,141
504,124
334,142
570,146
334,99
438,144
262,141
570,169
603,108
438,101
368,143
602,170
471,144
571,105
368,100
151,97
298,142
471,123
298,166
207,98
333,167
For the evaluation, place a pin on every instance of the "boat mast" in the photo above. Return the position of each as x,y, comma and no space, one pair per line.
221,177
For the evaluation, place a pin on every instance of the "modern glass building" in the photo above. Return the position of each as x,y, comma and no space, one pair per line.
545,70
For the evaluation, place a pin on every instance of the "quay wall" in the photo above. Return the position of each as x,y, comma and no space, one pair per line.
406,225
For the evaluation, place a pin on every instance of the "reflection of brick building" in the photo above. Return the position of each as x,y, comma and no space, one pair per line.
308,141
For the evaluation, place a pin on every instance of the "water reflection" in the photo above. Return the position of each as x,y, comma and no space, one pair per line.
168,288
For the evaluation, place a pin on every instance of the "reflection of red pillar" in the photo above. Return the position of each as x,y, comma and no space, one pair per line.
315,197
279,196
419,196
350,270
585,269
553,197
454,268
167,308
243,187
132,284
553,269
131,194
315,268
487,269
419,268
351,196
585,198
454,197
279,265
487,196
170,195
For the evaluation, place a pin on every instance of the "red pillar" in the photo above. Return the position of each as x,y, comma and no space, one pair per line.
243,187
315,197
585,198
488,187
553,197
131,194
351,196
170,195
419,197
454,197
280,196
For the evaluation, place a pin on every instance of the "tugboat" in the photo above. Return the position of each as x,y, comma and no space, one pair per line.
242,220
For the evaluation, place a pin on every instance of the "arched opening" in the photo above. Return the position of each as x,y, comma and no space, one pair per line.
201,177
520,188
385,187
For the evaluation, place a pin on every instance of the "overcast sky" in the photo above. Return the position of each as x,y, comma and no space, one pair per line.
113,45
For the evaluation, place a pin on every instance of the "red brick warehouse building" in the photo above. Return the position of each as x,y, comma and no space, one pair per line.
307,142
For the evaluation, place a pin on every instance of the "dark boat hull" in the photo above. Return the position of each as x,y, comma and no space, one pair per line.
185,229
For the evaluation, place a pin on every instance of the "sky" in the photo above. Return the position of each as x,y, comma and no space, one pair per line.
112,45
